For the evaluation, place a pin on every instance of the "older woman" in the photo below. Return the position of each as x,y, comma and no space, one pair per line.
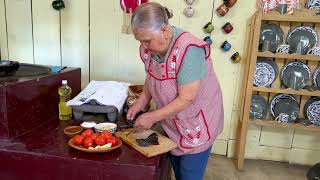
181,80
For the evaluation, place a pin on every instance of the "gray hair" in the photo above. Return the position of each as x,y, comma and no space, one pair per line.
150,16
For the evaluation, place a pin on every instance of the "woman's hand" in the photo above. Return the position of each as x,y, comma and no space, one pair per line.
133,110
140,104
146,120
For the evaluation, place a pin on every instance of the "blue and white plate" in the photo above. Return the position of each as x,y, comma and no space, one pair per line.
313,4
302,39
266,72
316,77
312,110
284,104
272,34
295,75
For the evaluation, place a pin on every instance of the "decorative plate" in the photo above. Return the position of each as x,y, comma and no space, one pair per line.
289,107
295,75
284,103
313,4
316,77
266,72
258,107
302,39
271,34
312,110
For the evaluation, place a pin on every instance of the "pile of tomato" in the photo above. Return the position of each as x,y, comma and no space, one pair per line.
90,139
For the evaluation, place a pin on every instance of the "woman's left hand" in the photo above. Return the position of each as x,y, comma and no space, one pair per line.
146,120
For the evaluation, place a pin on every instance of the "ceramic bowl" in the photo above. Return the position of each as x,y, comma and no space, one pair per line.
88,124
72,130
110,127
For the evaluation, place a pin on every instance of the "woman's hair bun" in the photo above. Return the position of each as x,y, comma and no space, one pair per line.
169,13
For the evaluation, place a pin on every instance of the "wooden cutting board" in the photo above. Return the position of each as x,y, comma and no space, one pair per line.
129,136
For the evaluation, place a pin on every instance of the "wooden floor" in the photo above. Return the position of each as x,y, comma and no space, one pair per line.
222,168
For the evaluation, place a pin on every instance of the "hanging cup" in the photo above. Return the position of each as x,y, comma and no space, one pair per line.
208,28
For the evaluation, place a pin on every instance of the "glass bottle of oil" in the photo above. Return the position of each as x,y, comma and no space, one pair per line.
65,112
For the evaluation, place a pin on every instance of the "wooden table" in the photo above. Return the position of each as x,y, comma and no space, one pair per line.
44,154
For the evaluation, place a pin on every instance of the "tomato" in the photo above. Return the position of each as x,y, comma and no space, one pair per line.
94,136
101,140
106,134
88,142
112,140
87,133
78,139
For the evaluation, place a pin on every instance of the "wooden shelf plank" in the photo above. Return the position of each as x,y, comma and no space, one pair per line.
288,56
302,92
304,15
271,123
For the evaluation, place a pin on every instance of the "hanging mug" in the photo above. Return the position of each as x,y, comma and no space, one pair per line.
58,5
208,28
282,118
227,28
226,46
188,11
208,40
222,10
229,3
189,2
236,57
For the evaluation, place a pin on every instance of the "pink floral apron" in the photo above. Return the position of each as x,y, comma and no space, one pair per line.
195,128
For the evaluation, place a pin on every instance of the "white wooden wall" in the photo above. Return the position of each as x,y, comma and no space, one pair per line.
87,34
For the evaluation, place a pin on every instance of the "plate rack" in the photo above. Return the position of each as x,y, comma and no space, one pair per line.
287,22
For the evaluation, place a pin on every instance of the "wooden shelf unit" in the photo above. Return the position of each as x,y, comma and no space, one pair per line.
302,92
272,123
286,22
303,15
288,56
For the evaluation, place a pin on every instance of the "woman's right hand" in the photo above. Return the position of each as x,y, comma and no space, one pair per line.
134,110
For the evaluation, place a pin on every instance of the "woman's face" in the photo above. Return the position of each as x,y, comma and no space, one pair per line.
155,41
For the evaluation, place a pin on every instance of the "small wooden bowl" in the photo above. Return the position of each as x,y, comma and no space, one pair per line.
72,130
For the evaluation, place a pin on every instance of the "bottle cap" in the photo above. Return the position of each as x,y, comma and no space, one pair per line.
64,82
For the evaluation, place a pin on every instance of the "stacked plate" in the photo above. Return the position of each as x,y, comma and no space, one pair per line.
285,104
266,72
302,39
295,75
258,107
312,110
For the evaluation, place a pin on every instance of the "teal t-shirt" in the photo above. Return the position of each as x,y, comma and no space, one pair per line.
193,66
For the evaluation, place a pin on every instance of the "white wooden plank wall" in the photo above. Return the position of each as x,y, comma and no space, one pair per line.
19,26
103,40
46,33
75,37
3,32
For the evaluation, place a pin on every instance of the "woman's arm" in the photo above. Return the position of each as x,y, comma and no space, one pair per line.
186,95
141,102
